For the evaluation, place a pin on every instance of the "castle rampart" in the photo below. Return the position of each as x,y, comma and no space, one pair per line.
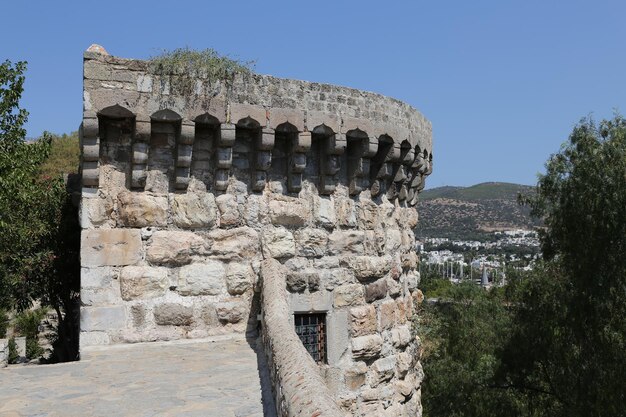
191,186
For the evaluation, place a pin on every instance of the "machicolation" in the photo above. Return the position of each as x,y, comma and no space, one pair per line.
231,208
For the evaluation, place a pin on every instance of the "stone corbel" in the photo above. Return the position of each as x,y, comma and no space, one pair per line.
263,158
184,154
141,149
224,155
297,160
90,142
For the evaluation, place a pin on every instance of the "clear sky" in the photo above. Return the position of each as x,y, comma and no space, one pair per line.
503,82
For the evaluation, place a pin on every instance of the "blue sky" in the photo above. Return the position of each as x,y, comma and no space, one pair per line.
503,82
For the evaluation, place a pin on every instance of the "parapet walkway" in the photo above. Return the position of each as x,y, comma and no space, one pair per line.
216,377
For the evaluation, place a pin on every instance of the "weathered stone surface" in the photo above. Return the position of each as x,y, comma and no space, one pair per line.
393,287
369,267
404,362
393,241
138,315
366,347
348,295
314,282
102,318
346,242
192,211
173,314
231,311
96,211
401,336
336,277
207,278
278,243
367,212
230,216
382,370
311,242
345,212
98,277
209,315
289,211
173,248
241,242
296,282
388,314
376,290
239,277
141,210
324,212
363,320
142,282
114,247
410,260
355,376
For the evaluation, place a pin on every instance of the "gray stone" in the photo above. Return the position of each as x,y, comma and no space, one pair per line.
348,295
376,290
382,370
102,318
142,282
278,243
346,242
296,282
369,267
311,242
239,277
110,247
207,278
173,314
324,211
363,320
230,216
242,242
141,210
289,211
366,347
173,248
192,211
231,311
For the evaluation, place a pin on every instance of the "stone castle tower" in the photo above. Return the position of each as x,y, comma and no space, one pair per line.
275,208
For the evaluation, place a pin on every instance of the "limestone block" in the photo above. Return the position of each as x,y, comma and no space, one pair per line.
345,212
99,296
96,212
111,247
173,248
290,211
346,242
324,212
348,295
192,211
376,290
411,280
404,362
314,282
401,311
241,242
231,311
173,314
355,376
102,318
408,218
382,370
143,282
97,277
138,315
367,215
311,242
401,336
296,281
404,388
230,216
93,338
209,315
206,278
278,243
141,210
369,267
363,320
4,352
239,277
367,347
388,312
394,287
393,241
336,277
410,260
252,211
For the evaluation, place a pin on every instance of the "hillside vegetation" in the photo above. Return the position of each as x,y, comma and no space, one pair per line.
473,212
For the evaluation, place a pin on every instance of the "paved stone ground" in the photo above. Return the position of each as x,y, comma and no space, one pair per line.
217,377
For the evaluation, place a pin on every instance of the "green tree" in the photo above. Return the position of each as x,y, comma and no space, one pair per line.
568,349
38,231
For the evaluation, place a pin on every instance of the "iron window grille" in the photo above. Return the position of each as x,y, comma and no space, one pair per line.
311,329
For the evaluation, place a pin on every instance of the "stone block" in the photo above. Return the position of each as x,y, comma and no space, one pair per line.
289,211
96,212
363,320
241,242
193,211
376,290
355,376
138,315
97,277
336,277
99,296
173,248
209,315
367,215
141,210
382,370
93,339
366,268
110,247
404,362
296,281
393,241
400,336
410,260
278,243
4,352
366,347
207,278
173,314
239,277
102,318
230,216
393,287
231,311
342,242
348,295
324,212
142,282
388,312
311,242
345,212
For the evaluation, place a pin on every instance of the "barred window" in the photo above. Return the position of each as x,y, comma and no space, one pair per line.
311,329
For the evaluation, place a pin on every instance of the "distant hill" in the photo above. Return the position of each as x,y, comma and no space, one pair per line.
472,212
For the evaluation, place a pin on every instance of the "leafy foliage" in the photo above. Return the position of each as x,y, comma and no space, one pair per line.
64,156
27,324
4,323
13,355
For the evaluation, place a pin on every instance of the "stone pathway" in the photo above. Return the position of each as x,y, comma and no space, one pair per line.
217,377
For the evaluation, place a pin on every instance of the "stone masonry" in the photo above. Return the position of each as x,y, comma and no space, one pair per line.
188,195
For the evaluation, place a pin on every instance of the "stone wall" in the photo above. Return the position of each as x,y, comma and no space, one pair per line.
185,195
